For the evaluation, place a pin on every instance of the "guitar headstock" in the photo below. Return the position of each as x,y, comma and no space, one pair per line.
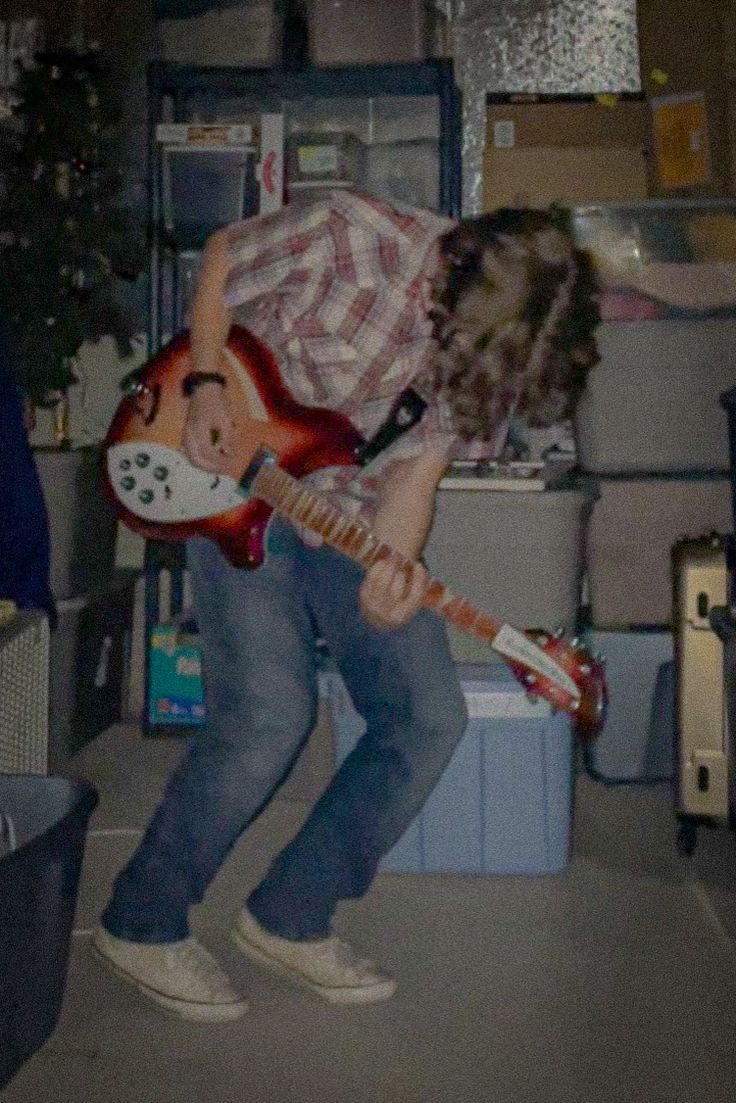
589,703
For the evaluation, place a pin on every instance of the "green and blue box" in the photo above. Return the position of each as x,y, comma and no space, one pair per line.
175,689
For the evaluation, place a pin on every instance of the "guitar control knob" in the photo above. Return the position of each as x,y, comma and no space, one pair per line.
128,482
125,465
146,496
143,459
161,473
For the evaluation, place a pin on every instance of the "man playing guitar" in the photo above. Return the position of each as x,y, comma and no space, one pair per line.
358,300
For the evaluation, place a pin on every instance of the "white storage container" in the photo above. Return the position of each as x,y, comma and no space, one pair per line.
516,554
241,34
652,403
504,803
407,171
356,32
634,526
637,742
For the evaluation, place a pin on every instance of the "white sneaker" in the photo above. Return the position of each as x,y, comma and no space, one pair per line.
328,966
181,976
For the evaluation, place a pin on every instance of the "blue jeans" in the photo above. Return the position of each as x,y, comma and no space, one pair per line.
257,631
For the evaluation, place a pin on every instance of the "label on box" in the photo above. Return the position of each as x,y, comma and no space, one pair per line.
237,134
504,134
317,160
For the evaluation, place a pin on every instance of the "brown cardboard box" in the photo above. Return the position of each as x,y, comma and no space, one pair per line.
565,151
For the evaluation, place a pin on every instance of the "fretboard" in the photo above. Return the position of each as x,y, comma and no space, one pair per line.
355,539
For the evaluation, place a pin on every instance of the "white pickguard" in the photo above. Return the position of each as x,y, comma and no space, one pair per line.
515,645
160,485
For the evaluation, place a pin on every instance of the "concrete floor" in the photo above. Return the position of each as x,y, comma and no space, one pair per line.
615,981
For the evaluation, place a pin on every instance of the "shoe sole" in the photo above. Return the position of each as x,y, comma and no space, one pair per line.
373,993
181,1009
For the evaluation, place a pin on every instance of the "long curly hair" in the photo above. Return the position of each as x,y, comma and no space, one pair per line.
514,315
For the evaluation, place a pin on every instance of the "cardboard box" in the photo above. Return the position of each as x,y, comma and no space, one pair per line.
175,691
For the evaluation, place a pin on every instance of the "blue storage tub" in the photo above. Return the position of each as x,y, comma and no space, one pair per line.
504,803
43,826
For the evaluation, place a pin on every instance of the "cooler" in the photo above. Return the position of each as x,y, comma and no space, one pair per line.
518,555
637,742
634,526
43,825
504,803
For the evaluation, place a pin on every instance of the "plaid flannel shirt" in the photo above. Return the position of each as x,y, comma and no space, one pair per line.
338,287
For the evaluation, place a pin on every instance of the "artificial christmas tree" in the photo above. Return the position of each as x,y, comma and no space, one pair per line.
65,238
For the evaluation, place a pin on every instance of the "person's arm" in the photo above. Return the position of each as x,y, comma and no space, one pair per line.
208,429
391,596
240,263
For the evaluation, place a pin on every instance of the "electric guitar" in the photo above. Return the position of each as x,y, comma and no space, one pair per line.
162,496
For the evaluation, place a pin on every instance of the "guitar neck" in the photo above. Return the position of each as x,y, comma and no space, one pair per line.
356,540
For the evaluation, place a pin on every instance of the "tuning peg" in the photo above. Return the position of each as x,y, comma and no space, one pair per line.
575,641
558,633
531,679
584,668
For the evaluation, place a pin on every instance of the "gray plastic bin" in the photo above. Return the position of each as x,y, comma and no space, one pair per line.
43,826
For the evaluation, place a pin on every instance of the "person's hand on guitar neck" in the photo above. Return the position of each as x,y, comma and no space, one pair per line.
207,440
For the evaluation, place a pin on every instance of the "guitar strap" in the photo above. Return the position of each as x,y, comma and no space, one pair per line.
405,412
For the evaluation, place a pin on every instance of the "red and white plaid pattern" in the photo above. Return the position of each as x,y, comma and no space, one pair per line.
338,288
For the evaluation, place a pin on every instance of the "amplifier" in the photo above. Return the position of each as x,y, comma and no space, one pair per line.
703,768
24,693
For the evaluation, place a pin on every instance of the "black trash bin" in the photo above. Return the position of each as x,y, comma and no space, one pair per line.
43,827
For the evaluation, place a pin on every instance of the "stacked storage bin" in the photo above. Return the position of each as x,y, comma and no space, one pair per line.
89,646
652,434
504,804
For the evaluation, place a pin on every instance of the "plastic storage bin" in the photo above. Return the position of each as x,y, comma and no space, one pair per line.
324,159
651,403
504,803
516,554
635,523
352,32
45,824
637,742
681,251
